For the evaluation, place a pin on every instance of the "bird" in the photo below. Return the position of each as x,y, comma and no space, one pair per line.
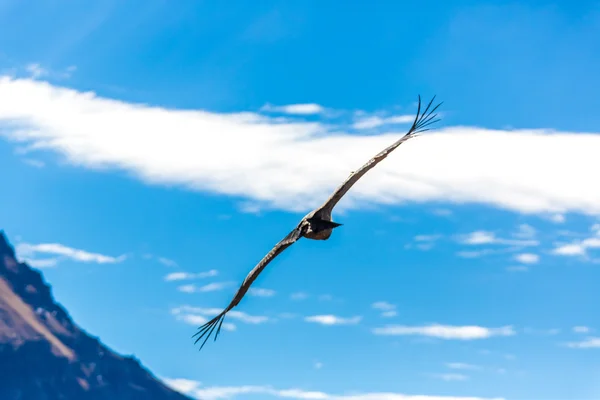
317,224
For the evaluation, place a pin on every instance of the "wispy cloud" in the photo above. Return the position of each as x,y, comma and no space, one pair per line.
211,312
557,218
333,320
41,262
448,332
28,251
199,391
34,163
465,366
527,258
475,253
95,132
191,316
295,109
387,309
525,231
486,237
182,276
588,343
36,70
544,332
211,287
325,297
582,329
449,377
580,247
299,296
261,292
442,212
167,262
424,242
479,237
375,121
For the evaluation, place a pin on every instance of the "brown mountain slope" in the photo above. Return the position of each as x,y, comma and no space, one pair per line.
44,355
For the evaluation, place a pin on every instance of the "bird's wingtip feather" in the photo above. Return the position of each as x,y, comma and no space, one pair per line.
206,330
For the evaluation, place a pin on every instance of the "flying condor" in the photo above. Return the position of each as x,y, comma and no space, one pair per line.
317,224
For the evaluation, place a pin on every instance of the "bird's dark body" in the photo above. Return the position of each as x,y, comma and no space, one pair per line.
316,225
318,229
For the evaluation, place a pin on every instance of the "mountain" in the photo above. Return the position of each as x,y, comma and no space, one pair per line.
44,355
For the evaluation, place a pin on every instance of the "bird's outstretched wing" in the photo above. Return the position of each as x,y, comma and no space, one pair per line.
207,329
421,123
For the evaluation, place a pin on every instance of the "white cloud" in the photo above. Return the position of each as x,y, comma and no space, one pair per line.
318,365
557,218
299,296
36,70
426,238
193,149
525,231
580,247
182,385
191,317
377,121
211,312
181,276
41,262
485,237
479,237
447,332
199,391
475,253
383,306
424,242
389,314
211,287
527,258
333,320
581,329
451,377
167,262
442,212
28,251
588,343
34,163
191,288
260,292
548,332
177,276
574,249
387,309
465,366
295,109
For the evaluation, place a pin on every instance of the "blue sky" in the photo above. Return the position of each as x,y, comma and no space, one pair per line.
152,153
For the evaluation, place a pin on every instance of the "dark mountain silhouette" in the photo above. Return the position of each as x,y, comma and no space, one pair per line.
44,355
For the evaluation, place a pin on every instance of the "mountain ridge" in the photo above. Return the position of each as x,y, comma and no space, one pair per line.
45,355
